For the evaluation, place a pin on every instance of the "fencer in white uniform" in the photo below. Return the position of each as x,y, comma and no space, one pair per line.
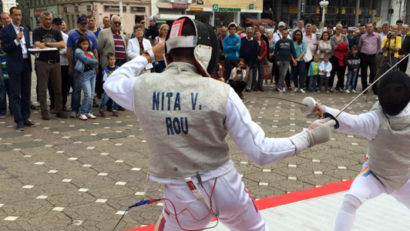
186,116
387,129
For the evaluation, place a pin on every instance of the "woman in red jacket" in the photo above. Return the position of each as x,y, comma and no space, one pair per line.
340,46
262,52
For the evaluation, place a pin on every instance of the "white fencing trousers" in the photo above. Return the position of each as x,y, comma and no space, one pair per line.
366,186
234,206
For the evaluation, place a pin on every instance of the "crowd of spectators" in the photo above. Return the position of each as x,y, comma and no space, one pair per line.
301,59
78,61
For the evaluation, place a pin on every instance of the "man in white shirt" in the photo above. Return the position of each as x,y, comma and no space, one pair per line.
186,116
278,34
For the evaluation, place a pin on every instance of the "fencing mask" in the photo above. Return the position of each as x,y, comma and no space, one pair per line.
189,33
394,92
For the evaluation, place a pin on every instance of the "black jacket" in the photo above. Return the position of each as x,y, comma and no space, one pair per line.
13,51
405,49
249,51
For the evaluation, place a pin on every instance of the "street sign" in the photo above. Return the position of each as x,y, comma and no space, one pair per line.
215,7
196,9
229,9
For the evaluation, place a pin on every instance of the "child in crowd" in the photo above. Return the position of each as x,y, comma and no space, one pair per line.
353,64
86,64
239,77
4,85
325,68
110,68
313,74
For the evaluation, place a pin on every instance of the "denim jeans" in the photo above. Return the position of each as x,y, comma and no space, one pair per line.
351,80
298,74
104,101
313,83
229,65
283,70
76,94
87,81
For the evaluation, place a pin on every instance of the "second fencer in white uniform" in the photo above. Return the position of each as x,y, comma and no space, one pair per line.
186,117
387,129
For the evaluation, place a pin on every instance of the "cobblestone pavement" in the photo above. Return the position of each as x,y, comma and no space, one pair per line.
79,175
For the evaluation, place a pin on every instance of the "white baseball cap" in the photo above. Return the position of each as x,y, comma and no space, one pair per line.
282,23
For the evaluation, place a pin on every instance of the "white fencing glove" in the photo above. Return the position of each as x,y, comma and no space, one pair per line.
318,132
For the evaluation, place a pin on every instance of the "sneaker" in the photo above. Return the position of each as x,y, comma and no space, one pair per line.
289,88
115,113
296,89
73,114
347,91
2,116
341,90
90,116
102,112
82,117
331,90
28,123
284,89
20,127
327,92
302,91
353,91
318,91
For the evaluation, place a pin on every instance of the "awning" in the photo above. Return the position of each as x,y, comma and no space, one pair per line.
171,17
255,21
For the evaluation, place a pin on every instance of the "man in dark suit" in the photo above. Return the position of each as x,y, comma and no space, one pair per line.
15,41
405,47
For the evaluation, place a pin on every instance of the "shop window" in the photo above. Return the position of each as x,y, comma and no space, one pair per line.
65,10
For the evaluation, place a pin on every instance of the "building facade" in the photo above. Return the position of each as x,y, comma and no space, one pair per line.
36,7
7,4
133,11
214,12
347,12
